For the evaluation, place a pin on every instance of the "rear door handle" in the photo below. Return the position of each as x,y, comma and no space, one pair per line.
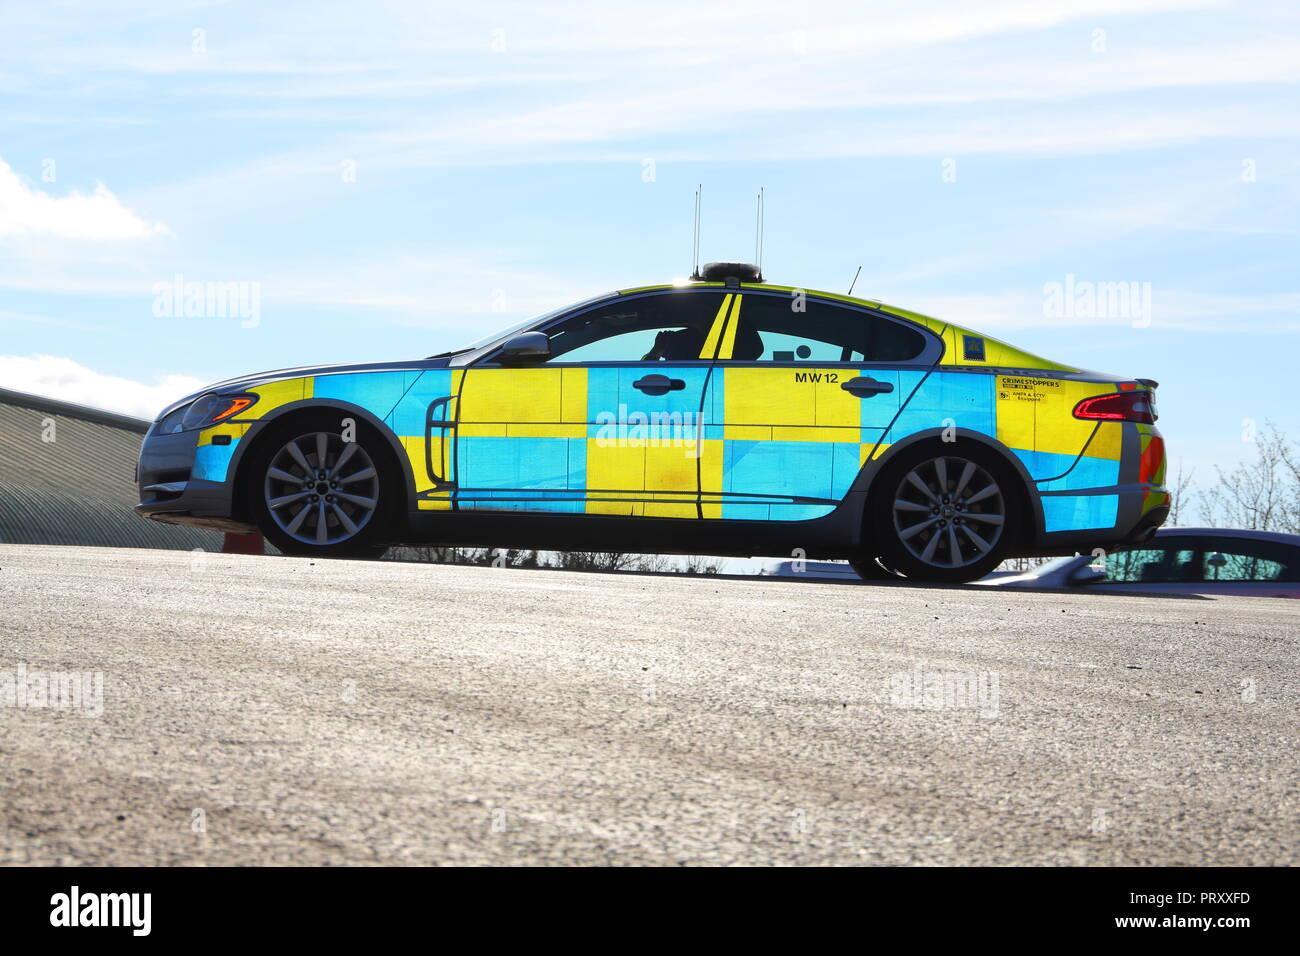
866,387
659,384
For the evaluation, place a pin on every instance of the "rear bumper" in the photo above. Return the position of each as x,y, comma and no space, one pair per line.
1104,518
1079,514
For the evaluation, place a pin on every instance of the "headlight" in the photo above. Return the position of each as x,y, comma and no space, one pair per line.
170,424
213,408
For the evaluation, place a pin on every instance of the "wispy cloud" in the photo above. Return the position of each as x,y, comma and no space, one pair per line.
498,151
482,287
1182,310
27,211
33,319
57,377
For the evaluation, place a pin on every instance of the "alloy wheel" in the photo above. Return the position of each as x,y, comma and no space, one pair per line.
320,489
949,512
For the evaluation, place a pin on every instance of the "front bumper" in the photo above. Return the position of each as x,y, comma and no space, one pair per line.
171,492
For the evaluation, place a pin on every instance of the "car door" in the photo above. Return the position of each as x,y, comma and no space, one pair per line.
608,424
803,391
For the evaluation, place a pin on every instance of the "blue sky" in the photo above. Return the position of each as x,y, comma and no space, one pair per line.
511,157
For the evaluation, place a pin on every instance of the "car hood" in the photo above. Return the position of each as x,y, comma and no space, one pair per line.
244,382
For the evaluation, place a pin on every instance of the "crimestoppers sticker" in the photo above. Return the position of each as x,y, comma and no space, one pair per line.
1015,389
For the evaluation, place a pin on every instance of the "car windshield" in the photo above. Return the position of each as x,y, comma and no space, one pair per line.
485,340
518,327
502,333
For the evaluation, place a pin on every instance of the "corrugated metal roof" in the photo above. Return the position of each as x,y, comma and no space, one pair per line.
80,488
72,410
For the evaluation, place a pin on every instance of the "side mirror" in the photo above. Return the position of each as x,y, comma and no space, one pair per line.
526,347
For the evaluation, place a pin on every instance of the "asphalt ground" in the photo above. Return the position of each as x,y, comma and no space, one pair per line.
266,710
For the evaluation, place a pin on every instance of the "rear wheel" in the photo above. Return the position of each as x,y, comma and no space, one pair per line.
945,516
318,495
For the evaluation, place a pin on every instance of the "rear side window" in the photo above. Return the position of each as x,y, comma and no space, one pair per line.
1226,559
791,328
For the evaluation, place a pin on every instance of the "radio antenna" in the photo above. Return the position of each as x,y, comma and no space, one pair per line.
695,252
855,280
758,233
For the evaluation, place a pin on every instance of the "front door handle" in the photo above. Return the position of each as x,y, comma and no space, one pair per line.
659,384
866,387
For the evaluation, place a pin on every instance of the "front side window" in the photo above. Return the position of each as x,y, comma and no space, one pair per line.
663,327
791,328
1152,566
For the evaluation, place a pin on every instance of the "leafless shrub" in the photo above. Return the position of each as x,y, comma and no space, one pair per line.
1182,490
1020,565
594,560
1259,495
566,560
655,563
429,554
699,564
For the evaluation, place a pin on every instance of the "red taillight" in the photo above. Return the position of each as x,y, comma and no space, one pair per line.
1135,406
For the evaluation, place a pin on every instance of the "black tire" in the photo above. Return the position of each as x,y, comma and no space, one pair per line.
339,498
870,569
915,528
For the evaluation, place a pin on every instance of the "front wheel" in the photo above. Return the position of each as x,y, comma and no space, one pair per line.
945,517
315,494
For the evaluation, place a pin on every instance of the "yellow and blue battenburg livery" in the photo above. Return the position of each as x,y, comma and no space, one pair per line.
726,415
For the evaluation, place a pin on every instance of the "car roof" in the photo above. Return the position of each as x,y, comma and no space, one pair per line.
937,326
1000,354
1277,537
769,287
